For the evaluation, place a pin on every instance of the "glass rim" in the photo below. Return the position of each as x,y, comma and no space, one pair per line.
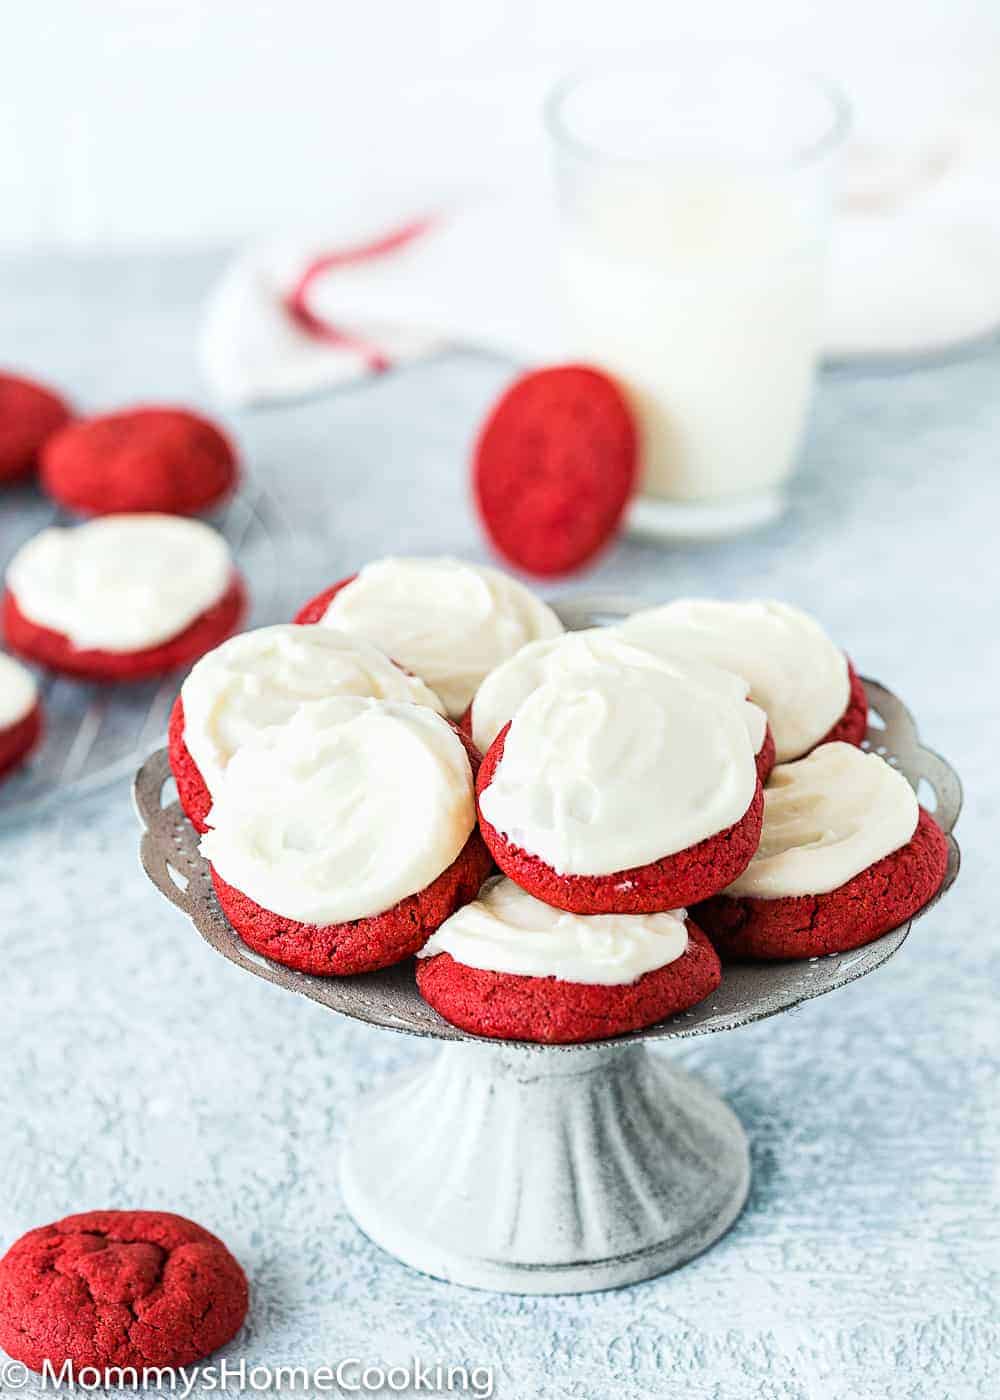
839,108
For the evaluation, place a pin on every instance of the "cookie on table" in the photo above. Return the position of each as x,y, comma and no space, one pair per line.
805,684
130,1288
447,621
122,598
260,679
509,685
846,854
341,839
29,415
166,460
21,719
512,968
555,467
621,790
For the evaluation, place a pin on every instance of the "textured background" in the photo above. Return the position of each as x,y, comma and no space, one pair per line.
139,1069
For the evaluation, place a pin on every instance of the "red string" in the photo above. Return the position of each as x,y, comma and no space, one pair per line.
297,300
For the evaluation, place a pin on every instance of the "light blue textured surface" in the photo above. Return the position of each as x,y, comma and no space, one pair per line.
141,1070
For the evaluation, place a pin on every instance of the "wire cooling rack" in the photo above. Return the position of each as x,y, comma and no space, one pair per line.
96,734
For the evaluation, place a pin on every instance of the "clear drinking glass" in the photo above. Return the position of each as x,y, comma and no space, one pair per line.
694,200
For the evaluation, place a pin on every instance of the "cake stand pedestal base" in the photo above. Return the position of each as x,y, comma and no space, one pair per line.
521,1169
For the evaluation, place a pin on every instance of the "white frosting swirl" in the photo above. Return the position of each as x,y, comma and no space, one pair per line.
794,670
121,583
826,818
447,621
615,767
342,811
508,686
18,692
508,930
262,678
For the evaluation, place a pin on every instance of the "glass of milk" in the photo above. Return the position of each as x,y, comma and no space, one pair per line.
694,200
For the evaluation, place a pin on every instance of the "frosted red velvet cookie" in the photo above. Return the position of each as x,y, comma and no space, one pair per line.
509,684
342,838
20,714
447,621
796,674
140,459
123,597
621,790
29,414
119,1288
513,968
554,468
261,679
846,854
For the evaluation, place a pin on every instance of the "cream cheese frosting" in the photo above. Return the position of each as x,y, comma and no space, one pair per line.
447,621
826,818
506,687
262,678
18,692
795,672
121,583
508,930
342,811
615,767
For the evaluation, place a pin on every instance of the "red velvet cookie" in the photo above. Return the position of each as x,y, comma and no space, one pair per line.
362,945
29,414
675,882
57,652
18,740
554,467
852,726
505,1006
119,1288
139,460
807,926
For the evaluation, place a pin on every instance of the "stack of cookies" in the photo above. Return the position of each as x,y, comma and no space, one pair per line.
684,785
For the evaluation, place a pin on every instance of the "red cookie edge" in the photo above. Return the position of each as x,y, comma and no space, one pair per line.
18,740
31,412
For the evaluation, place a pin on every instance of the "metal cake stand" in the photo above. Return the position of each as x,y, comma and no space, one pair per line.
546,1169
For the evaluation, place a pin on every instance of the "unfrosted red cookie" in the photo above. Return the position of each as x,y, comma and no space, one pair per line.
57,652
315,609
554,467
852,726
18,740
362,945
675,882
140,459
29,414
139,1288
505,1006
192,793
807,926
